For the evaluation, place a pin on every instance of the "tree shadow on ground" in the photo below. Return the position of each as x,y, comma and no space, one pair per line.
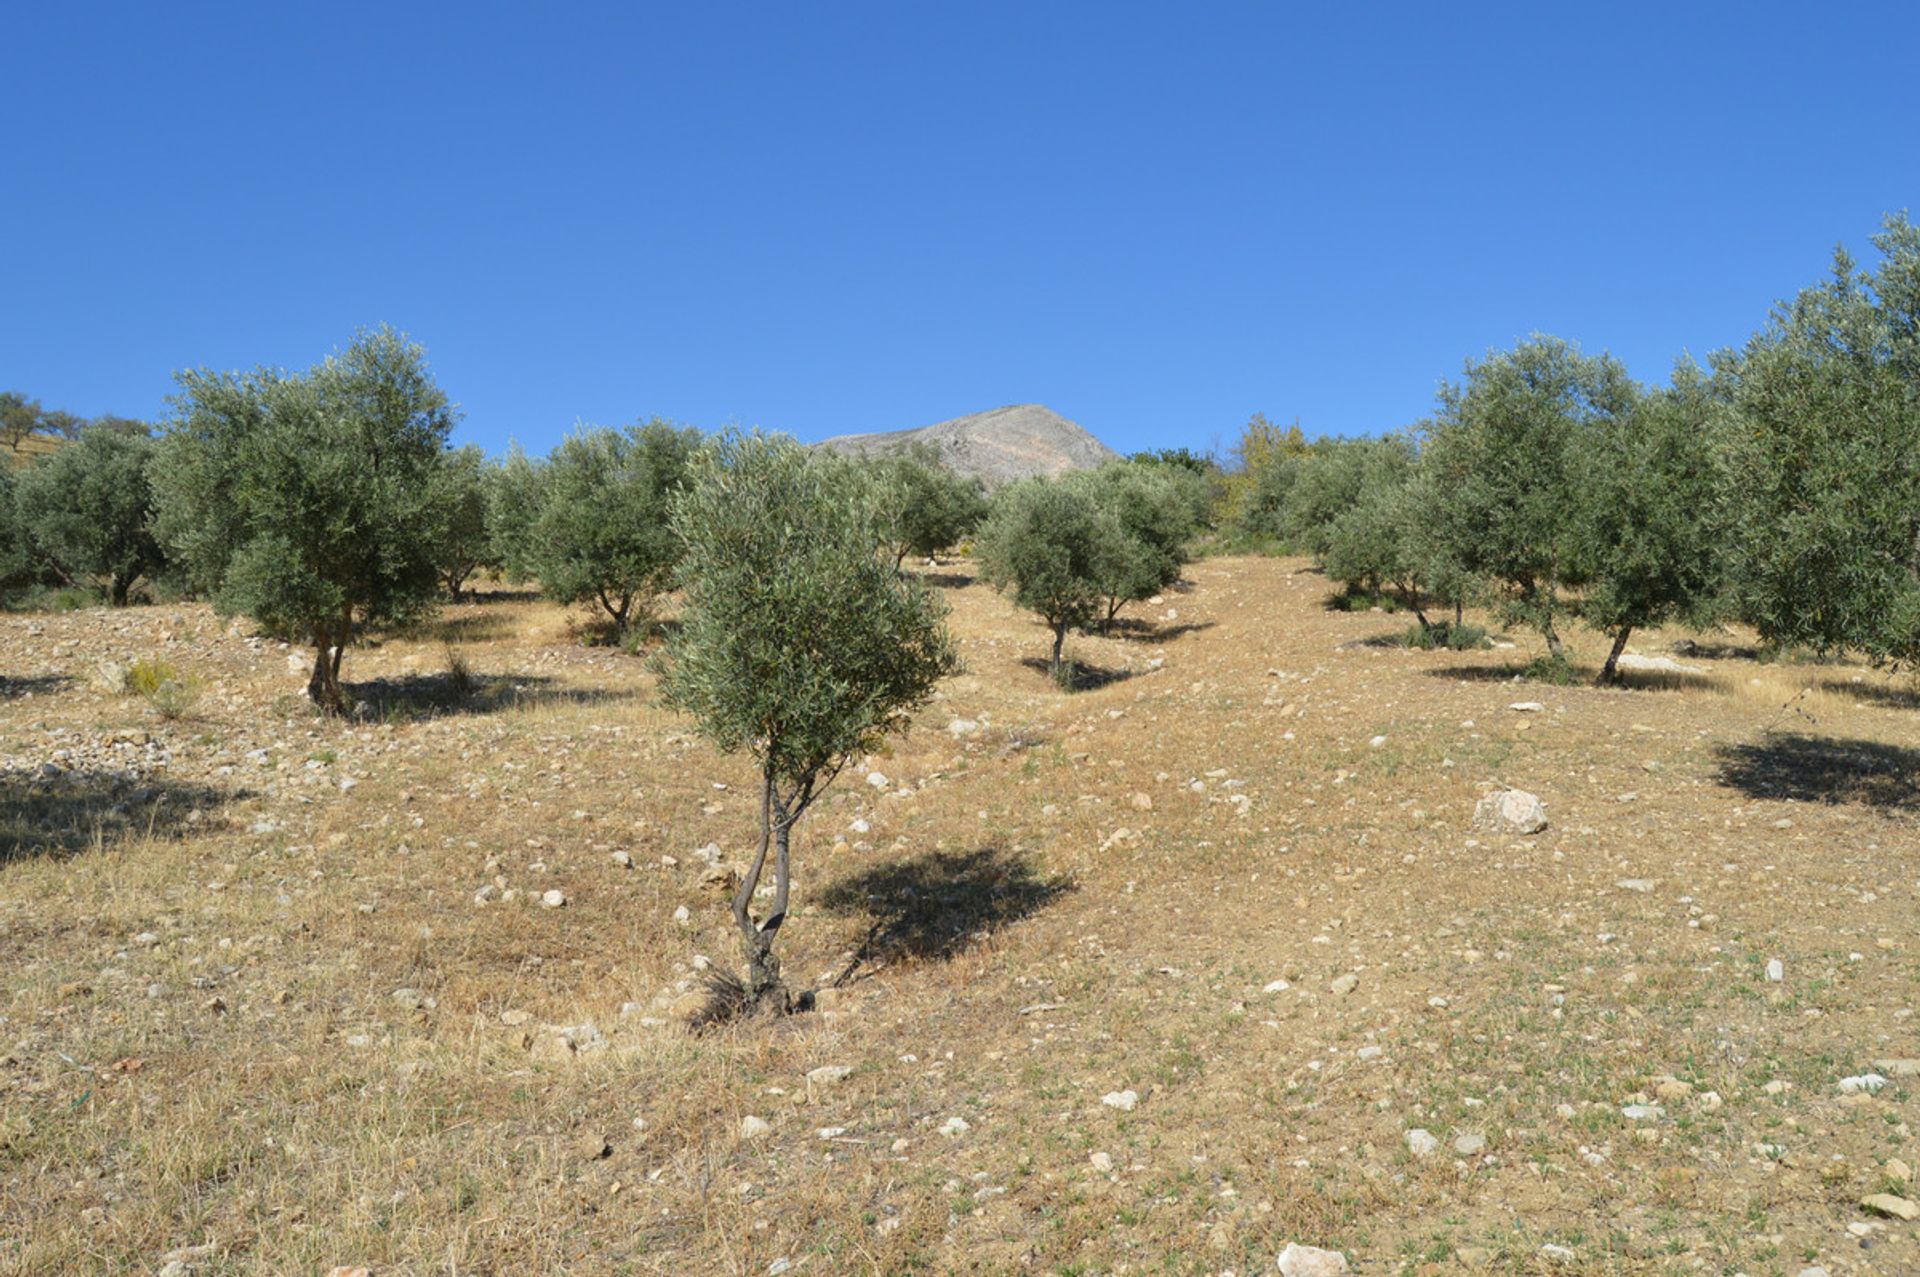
1694,650
1506,673
1822,769
1086,678
948,580
1397,639
1139,630
71,811
422,696
934,905
1887,695
483,627
37,685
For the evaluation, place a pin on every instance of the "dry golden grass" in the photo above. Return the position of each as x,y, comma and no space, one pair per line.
201,1046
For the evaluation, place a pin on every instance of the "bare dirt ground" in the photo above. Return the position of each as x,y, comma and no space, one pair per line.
282,995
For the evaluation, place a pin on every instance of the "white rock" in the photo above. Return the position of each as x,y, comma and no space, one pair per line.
755,1128
1101,1162
861,826
963,727
682,916
878,780
1640,1112
623,859
1122,1100
954,1127
1635,884
1470,1145
1421,1143
1311,1261
1346,984
1510,811
1557,1254
1864,1084
1526,707
1776,970
552,898
828,1074
1277,986
1376,742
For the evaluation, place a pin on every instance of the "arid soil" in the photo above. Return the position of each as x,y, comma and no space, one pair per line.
1154,977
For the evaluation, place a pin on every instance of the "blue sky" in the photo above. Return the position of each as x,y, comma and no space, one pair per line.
1157,219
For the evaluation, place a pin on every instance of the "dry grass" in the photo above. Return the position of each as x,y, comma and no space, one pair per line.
200,1043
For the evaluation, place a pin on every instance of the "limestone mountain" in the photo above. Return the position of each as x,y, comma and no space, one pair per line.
998,446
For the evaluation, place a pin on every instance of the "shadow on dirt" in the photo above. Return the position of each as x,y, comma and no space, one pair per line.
422,696
1136,630
933,906
948,580
1822,769
66,812
39,685
1888,695
1086,678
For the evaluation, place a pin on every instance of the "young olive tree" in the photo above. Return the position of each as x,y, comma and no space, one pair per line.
602,535
1502,454
1366,546
88,509
1053,545
302,500
1651,529
1150,511
925,507
797,642
458,503
1827,460
514,489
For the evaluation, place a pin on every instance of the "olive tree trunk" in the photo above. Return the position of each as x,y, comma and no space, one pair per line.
1610,672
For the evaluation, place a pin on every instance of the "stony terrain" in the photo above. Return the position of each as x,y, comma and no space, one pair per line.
1163,976
996,447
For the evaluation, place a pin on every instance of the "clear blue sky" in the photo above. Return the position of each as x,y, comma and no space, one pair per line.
826,217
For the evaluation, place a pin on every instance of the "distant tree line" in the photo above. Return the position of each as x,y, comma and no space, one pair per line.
1779,485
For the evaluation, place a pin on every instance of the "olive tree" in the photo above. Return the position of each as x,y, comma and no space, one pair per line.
514,490
602,536
1827,459
1502,454
1651,530
1151,513
88,510
925,506
458,502
302,499
797,643
1053,545
1369,545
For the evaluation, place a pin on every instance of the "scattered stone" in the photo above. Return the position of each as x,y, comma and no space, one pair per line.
1863,1084
1635,884
1556,1254
1311,1261
1510,811
1276,986
1346,984
594,1146
1421,1143
413,999
1470,1145
1122,1100
552,898
515,1018
1376,742
1899,1171
828,1074
1895,1207
1526,707
1653,664
755,1128
1101,1162
1641,1112
1142,801
878,780
954,1127
623,859
1776,971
